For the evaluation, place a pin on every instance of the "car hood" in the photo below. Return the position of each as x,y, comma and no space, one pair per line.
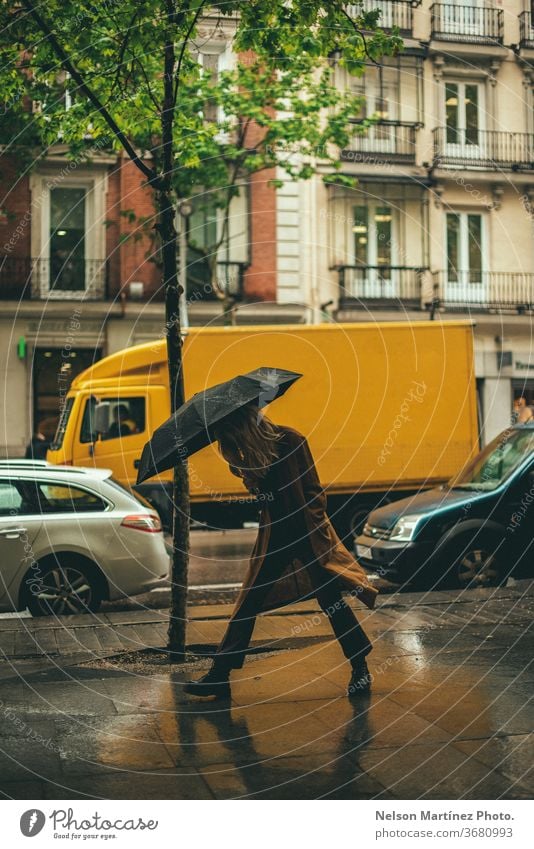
424,502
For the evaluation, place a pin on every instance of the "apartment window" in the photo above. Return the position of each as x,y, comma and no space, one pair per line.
214,58
202,228
210,64
373,229
203,224
463,116
68,233
465,255
67,239
380,102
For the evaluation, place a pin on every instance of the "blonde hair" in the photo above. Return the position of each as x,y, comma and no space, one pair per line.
247,440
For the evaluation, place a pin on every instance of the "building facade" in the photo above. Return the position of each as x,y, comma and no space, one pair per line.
440,224
80,275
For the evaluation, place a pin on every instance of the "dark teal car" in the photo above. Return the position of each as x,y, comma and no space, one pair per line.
477,530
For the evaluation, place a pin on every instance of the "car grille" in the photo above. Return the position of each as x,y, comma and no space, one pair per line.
376,533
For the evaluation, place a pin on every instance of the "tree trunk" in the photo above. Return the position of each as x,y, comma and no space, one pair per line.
167,216
180,493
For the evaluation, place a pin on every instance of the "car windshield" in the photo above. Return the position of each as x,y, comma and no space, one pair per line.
62,424
497,461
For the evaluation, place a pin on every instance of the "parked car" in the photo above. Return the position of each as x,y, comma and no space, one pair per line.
477,530
73,537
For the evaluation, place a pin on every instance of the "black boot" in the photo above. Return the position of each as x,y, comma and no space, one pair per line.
360,680
213,683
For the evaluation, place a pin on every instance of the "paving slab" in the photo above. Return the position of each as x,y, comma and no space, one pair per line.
167,783
312,777
513,755
438,771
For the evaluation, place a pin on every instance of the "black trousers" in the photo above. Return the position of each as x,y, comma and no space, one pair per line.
348,631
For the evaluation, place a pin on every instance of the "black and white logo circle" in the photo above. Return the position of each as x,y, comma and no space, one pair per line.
32,822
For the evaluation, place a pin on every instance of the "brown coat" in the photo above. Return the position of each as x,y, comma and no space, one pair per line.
301,496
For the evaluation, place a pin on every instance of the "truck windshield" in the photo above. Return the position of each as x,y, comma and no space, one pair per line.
497,461
62,425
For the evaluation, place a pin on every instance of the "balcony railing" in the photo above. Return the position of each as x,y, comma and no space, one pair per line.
56,279
526,33
230,280
23,278
488,149
392,14
488,290
385,283
199,288
15,278
466,23
385,141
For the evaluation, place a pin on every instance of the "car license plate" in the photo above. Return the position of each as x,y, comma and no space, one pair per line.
364,551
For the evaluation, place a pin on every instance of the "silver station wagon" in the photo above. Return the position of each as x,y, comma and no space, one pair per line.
71,537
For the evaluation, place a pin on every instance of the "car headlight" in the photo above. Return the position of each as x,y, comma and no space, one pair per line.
405,528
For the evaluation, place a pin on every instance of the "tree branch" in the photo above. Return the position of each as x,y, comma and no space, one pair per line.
90,94
360,33
167,113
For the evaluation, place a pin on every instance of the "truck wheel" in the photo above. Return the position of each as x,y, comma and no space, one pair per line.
63,588
473,562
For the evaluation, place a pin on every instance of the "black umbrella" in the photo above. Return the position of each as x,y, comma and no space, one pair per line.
191,427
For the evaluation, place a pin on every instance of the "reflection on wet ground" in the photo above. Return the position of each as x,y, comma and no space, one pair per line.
450,717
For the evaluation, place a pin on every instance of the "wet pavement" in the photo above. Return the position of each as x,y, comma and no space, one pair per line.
450,715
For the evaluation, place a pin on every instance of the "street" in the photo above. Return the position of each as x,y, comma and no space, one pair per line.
92,708
217,565
216,568
219,557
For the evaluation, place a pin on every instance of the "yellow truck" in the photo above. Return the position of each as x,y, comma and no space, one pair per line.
388,408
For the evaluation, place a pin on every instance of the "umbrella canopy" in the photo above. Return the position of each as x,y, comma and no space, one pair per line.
190,428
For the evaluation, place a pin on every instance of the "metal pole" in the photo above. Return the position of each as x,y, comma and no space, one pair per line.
185,210
184,318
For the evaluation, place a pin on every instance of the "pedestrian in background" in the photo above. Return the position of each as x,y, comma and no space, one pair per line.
37,446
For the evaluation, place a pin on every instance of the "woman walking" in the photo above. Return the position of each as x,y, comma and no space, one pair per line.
297,553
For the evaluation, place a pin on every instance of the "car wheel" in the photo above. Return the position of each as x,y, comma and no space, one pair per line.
474,563
358,517
64,588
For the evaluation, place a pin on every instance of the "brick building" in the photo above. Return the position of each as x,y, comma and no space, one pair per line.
79,276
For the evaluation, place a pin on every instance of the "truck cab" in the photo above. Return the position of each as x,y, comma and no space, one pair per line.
476,530
105,424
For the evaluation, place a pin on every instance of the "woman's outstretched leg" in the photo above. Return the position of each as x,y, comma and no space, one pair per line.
232,649
352,638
